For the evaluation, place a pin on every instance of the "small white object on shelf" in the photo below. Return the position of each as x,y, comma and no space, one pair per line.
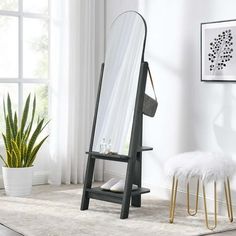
109,184
120,186
116,185
108,148
103,146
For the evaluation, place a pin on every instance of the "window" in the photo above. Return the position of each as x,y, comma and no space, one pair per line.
24,53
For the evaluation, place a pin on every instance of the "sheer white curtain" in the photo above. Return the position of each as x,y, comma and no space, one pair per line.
77,36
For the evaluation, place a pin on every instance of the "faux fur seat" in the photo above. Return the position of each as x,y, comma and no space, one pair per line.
207,166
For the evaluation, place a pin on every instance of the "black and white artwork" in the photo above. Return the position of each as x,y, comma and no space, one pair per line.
218,51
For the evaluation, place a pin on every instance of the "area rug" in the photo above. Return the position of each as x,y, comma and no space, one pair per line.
55,211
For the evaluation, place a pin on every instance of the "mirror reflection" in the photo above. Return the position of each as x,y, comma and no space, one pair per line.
124,52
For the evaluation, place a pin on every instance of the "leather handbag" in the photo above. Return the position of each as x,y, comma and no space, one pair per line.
150,104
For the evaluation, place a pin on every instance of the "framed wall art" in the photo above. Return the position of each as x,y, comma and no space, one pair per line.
218,51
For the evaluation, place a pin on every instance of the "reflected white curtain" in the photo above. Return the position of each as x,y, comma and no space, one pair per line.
76,53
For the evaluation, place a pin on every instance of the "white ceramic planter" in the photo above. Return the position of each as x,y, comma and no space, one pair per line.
17,181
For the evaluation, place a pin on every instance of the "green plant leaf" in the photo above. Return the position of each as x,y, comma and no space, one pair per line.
45,125
5,141
15,123
25,134
18,138
16,152
5,163
34,152
34,137
9,159
4,109
23,149
25,115
32,119
9,111
23,153
8,134
14,159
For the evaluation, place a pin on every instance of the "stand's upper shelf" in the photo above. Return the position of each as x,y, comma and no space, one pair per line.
113,157
144,148
116,157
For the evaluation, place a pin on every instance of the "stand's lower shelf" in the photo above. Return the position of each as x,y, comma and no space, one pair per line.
99,194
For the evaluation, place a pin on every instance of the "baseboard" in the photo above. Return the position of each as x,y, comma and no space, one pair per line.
163,192
1,182
40,177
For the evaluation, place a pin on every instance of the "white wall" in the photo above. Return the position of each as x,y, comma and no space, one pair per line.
191,114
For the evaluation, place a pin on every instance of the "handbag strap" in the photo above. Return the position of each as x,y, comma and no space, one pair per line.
150,75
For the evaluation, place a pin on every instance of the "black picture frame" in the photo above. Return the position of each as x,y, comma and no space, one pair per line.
218,51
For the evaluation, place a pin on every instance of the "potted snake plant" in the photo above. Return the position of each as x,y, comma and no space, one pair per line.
21,146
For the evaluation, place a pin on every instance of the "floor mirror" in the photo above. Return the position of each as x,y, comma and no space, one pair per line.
118,119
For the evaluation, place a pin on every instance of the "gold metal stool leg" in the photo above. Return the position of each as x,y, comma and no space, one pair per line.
205,207
173,199
193,213
228,199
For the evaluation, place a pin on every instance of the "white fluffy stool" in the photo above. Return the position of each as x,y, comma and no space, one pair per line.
206,167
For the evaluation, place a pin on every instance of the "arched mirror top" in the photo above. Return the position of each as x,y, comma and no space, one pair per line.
130,25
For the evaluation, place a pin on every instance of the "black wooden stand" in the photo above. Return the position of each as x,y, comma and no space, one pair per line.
133,159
